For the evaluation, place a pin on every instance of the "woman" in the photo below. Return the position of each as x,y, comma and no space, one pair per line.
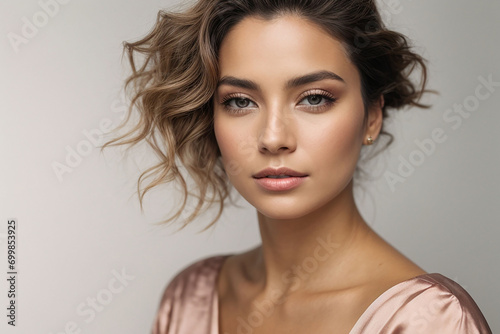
279,98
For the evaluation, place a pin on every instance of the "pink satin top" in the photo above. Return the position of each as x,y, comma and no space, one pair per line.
429,303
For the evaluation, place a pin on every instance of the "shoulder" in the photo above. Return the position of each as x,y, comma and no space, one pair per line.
428,303
191,291
193,278
204,268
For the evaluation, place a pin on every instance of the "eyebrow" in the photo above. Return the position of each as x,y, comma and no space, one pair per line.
292,83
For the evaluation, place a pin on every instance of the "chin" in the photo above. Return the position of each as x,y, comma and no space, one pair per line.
281,215
285,211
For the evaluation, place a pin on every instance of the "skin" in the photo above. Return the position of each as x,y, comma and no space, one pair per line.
275,126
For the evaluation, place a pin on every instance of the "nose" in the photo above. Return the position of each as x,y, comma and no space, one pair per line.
277,133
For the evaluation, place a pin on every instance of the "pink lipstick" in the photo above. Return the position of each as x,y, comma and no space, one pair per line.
279,179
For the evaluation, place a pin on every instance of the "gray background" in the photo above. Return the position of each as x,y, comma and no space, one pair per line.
77,231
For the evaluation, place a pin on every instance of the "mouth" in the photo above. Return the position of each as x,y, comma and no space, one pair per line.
279,179
278,173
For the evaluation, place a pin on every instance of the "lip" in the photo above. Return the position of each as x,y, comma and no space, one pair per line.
293,180
278,171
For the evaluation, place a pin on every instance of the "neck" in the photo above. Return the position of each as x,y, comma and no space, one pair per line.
303,253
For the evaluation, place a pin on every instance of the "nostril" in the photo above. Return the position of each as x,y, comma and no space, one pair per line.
273,149
275,141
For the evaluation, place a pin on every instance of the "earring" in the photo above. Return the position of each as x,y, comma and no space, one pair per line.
369,140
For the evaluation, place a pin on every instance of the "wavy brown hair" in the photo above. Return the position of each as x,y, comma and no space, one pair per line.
175,74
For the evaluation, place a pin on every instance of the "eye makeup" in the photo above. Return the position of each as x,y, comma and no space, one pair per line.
230,102
329,100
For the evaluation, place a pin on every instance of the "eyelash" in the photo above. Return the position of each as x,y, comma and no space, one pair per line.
330,100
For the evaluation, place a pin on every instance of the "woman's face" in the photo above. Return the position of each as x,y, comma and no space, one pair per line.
288,96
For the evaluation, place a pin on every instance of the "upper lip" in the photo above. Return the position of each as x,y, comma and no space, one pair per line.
277,171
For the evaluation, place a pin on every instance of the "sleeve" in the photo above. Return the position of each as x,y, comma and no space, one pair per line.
432,304
164,315
445,312
439,305
187,302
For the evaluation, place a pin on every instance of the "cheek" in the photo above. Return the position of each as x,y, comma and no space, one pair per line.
336,143
222,135
235,145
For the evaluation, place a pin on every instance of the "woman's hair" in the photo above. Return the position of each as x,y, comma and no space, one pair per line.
174,79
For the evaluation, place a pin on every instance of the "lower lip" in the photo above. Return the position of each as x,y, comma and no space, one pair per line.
280,184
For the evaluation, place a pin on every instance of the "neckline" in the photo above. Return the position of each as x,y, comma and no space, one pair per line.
374,303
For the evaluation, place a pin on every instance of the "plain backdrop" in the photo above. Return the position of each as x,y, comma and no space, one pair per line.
88,259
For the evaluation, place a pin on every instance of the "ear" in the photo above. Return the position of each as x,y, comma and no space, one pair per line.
374,121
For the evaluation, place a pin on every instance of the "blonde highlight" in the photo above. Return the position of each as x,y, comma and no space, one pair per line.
173,84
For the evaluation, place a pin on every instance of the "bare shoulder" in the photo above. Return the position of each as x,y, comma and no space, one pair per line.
388,267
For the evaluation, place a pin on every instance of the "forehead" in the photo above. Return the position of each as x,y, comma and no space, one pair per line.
285,45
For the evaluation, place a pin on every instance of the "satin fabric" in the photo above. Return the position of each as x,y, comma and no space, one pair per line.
429,303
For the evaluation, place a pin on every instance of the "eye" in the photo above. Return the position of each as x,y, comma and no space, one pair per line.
317,100
314,99
237,104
